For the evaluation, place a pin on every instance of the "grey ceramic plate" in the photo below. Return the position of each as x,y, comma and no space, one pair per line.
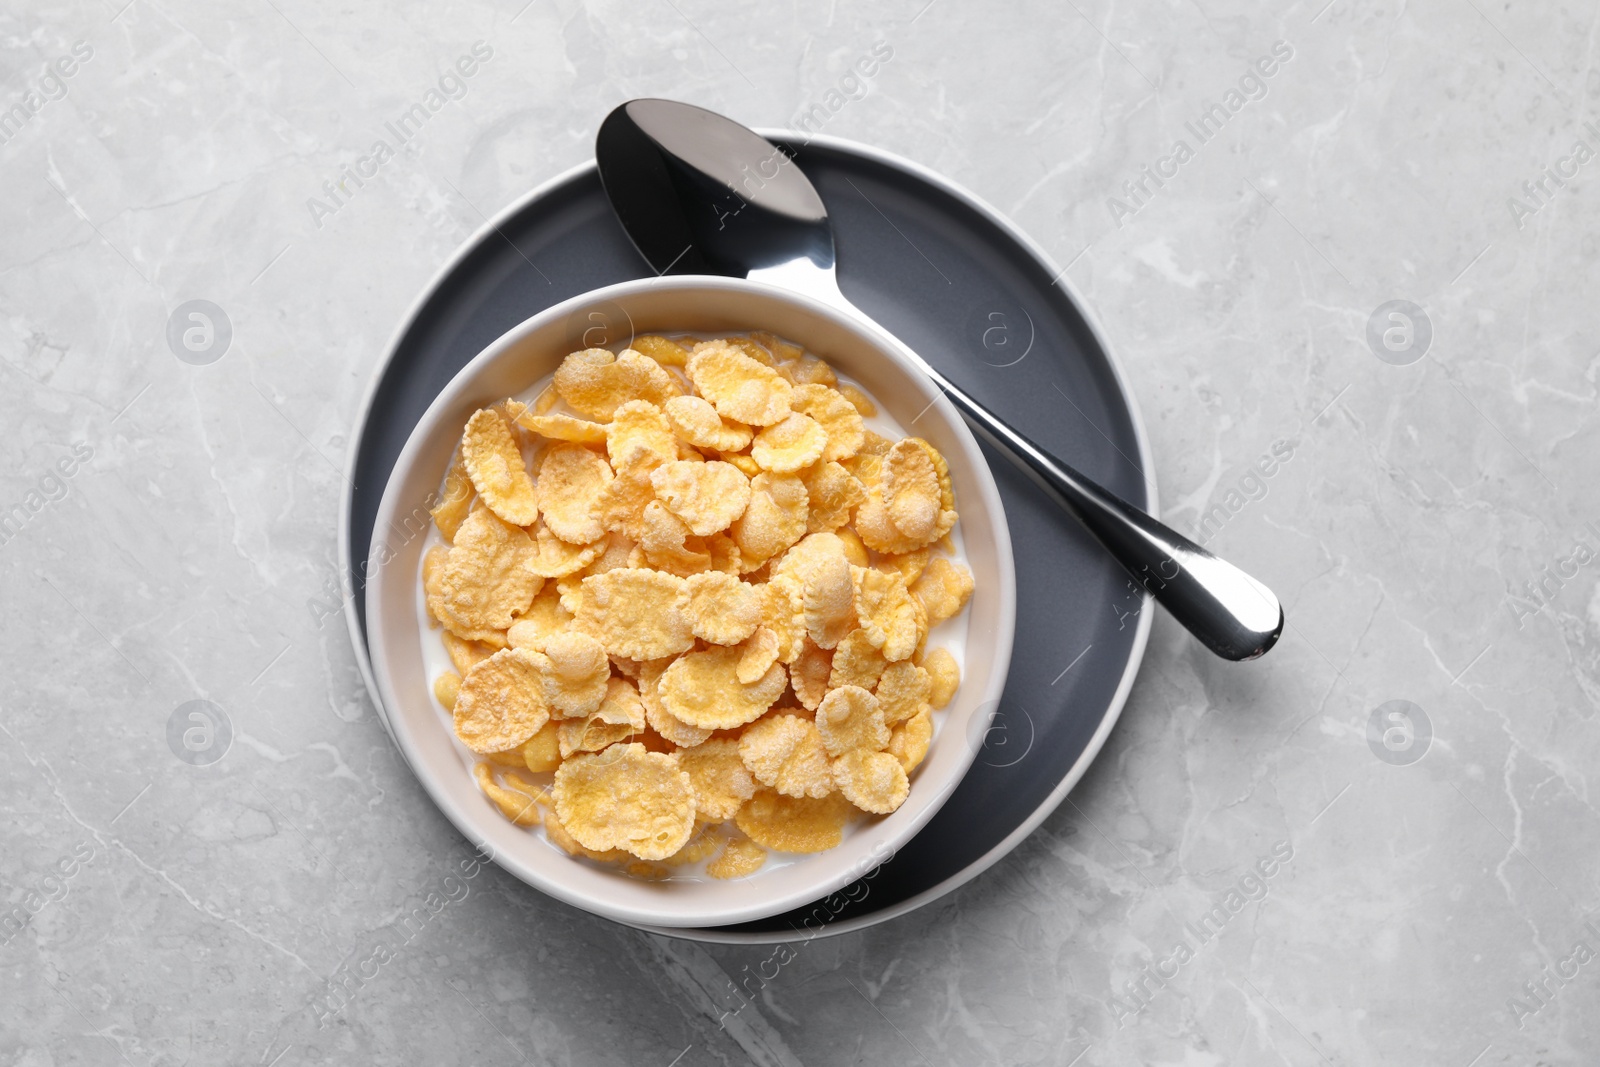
956,282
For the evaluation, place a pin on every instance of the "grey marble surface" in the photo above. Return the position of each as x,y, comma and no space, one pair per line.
1433,532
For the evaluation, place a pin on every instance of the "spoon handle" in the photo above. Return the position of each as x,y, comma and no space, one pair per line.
1230,612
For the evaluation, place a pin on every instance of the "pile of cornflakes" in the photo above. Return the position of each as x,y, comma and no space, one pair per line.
687,594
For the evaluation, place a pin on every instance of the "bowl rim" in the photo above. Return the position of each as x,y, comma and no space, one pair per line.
680,913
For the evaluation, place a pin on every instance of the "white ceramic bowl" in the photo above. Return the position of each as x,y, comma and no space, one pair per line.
531,351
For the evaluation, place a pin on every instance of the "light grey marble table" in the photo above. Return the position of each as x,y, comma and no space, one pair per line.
169,532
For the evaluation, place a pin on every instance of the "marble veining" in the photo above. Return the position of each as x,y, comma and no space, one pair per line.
1341,251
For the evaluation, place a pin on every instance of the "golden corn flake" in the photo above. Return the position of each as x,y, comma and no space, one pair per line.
774,519
903,691
722,609
724,553
708,497
747,466
839,419
807,369
640,434
595,382
544,619
494,463
786,753
662,721
909,740
829,601
722,783
541,753
464,655
623,500
432,568
511,757
626,797
755,350
856,661
445,689
667,544
943,589
850,718
916,490
574,672
572,480
872,523
783,612
892,620
872,781
757,652
808,676
854,550
809,553
707,841
558,558
518,807
909,565
833,493
789,445
622,704
663,350
739,387
740,859
486,578
858,400
944,676
794,824
588,735
697,422
501,702
636,612
456,501
703,689
564,428
781,350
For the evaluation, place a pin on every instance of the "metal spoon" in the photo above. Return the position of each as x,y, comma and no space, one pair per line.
700,194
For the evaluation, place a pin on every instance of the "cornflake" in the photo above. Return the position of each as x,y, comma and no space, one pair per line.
944,675
872,781
697,422
740,859
794,824
494,463
774,519
850,718
571,481
595,382
703,689
792,444
838,419
501,702
721,781
637,612
626,797
787,753
486,578
739,387
707,496
722,609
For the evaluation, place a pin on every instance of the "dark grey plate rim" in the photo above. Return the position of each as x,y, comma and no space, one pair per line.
1136,651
